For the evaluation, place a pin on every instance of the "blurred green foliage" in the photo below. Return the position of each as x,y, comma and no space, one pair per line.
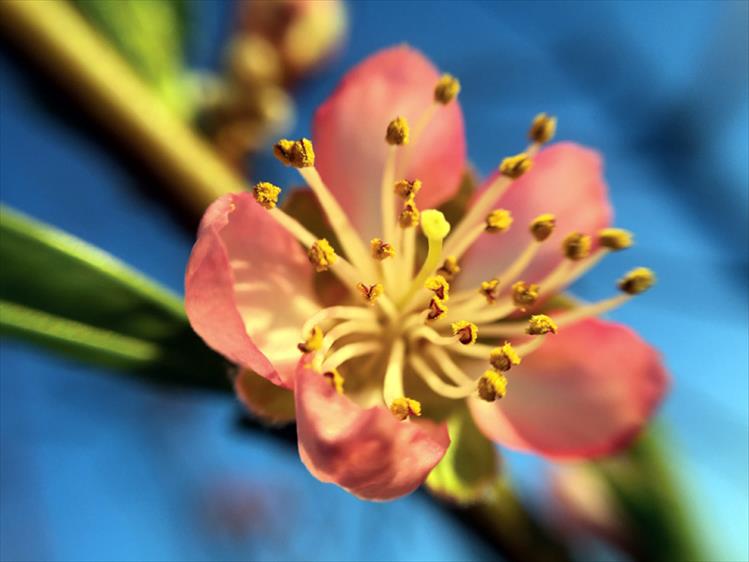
59,291
470,465
151,35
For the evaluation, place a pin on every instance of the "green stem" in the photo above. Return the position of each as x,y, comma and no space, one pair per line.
59,40
35,234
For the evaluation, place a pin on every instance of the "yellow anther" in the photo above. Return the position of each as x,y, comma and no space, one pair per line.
447,89
492,385
322,255
498,220
450,268
524,295
381,250
637,281
403,408
410,215
504,357
489,289
312,342
542,128
515,166
615,238
439,286
407,189
298,153
540,325
335,379
434,225
576,246
266,194
437,309
542,226
467,332
397,132
370,292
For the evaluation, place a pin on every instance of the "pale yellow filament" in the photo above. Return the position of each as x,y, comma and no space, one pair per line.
434,382
349,239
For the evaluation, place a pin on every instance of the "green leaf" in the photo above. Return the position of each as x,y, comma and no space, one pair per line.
62,293
647,493
150,35
470,465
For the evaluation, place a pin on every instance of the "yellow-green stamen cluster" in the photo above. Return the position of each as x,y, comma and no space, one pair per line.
394,325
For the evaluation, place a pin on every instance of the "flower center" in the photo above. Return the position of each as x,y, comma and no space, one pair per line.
401,322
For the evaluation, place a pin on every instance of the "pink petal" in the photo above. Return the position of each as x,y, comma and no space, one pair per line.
248,288
587,392
566,180
349,135
367,452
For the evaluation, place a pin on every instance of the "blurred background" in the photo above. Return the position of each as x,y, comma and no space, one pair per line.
101,467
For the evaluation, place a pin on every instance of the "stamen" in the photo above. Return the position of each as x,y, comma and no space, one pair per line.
404,408
408,255
512,271
350,242
489,289
312,342
524,295
439,286
498,220
381,250
437,309
392,386
435,383
510,169
449,268
566,273
266,194
449,367
540,325
577,246
338,313
409,216
483,351
637,281
397,132
542,226
467,332
433,336
322,255
504,357
465,242
297,154
542,128
447,89
615,238
343,330
342,268
515,166
370,292
407,189
576,314
336,379
492,385
387,196
348,352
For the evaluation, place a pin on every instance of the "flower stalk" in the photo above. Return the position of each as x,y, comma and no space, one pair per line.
82,62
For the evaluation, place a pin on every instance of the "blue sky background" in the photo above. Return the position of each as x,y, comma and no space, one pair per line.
98,467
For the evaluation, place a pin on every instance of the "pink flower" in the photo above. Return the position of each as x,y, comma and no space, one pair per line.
428,317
